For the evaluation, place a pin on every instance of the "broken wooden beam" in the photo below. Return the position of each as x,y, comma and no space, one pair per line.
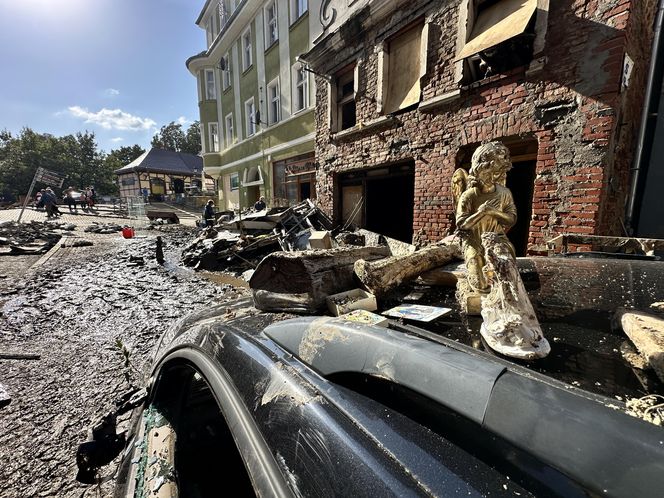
300,282
646,331
379,277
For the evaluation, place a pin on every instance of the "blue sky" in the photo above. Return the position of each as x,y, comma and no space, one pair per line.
112,67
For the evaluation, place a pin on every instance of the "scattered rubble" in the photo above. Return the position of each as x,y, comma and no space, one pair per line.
107,228
35,237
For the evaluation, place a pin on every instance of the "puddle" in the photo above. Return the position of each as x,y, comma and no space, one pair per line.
223,278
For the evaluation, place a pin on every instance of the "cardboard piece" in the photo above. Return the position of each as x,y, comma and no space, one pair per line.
320,239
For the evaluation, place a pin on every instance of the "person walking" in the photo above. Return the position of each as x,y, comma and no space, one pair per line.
70,201
50,204
208,214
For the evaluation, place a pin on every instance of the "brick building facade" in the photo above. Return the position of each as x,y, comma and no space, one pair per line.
568,108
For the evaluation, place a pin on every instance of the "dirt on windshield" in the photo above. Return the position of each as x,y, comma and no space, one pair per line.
80,316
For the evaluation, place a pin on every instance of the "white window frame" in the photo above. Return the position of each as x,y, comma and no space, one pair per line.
210,85
297,9
271,24
303,84
250,118
213,134
228,128
247,49
273,116
227,74
208,31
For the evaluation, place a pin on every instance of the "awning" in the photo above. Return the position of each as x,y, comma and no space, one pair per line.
500,22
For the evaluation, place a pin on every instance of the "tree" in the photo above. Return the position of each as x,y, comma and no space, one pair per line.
75,157
192,143
171,137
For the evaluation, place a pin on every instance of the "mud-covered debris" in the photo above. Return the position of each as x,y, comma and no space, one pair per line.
649,408
104,228
240,243
29,238
78,243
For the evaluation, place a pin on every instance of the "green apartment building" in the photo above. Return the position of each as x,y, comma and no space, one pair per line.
256,100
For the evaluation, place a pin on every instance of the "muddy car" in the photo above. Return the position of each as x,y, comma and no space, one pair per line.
249,403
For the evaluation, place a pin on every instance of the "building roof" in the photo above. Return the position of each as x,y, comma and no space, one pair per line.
164,161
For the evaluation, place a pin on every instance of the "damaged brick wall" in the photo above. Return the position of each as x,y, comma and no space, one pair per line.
572,105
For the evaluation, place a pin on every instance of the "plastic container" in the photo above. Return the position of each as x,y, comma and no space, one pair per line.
128,232
356,299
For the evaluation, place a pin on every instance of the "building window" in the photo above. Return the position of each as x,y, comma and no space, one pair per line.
300,88
402,64
294,180
271,29
229,130
214,137
233,6
500,35
345,99
298,8
250,116
223,14
247,60
226,71
208,32
210,90
126,182
235,181
273,102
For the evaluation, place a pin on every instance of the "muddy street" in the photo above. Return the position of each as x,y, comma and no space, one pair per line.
91,315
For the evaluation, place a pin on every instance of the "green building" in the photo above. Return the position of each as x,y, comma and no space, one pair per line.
256,100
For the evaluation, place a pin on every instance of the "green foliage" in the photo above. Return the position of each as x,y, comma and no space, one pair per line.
171,137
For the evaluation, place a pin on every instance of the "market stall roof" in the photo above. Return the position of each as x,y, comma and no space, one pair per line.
164,161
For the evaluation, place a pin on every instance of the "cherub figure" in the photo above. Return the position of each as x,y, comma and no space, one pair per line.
486,206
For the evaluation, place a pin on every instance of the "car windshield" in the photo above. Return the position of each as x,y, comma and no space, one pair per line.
576,301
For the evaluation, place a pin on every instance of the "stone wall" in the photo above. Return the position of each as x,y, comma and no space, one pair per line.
569,99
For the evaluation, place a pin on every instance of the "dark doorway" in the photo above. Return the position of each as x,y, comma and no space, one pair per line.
521,181
178,186
305,191
380,200
389,207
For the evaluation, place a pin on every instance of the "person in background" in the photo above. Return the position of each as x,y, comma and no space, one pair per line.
70,201
39,202
146,195
208,214
260,204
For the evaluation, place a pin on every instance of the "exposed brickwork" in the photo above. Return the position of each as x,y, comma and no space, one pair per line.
574,107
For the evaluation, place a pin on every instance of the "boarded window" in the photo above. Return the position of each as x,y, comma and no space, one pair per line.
404,53
498,23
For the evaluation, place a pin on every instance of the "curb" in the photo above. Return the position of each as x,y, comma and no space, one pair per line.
48,255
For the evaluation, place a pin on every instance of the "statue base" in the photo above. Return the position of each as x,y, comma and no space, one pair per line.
533,351
470,301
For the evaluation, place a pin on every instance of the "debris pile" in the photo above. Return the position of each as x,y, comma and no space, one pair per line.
30,238
106,228
240,243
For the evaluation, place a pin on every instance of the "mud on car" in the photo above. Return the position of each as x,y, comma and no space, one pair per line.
247,403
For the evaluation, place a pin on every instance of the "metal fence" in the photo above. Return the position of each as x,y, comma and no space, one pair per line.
136,208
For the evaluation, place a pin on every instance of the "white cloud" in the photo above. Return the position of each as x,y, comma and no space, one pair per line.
112,92
112,119
117,139
183,121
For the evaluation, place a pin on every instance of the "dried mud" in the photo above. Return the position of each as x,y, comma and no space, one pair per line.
74,312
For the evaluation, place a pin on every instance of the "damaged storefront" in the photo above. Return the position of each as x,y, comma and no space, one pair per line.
404,97
294,179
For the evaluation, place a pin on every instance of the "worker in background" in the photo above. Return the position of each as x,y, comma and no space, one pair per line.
208,213
260,204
